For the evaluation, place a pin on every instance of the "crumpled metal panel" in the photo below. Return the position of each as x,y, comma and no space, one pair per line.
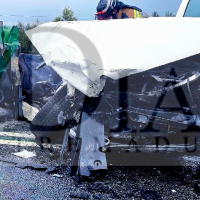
92,134
82,52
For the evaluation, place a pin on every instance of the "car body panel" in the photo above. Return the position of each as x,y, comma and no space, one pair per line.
81,52
182,8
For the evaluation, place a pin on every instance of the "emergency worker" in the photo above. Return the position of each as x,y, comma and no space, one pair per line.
114,9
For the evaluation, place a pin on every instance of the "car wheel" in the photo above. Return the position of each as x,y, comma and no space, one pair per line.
45,122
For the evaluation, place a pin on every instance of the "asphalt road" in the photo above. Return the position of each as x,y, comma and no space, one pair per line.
121,182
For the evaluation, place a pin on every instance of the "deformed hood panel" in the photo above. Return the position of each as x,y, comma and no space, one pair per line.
81,52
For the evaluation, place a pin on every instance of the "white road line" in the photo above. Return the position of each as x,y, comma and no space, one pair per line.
14,142
18,143
13,134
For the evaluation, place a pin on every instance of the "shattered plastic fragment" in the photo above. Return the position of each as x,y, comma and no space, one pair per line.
58,175
72,133
61,118
25,154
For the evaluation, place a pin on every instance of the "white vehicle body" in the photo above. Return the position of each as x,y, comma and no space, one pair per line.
182,8
82,52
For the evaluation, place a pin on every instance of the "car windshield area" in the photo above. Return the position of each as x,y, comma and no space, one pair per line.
193,9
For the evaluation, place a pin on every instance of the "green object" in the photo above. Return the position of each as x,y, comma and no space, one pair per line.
11,34
10,42
11,38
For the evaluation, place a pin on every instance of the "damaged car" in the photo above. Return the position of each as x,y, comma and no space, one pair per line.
138,94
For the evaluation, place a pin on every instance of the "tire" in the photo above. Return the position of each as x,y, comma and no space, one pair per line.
45,122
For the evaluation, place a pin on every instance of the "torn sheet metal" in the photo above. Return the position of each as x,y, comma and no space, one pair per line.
145,116
91,132
81,52
167,79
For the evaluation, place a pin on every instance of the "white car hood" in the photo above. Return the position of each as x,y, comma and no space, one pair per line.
81,52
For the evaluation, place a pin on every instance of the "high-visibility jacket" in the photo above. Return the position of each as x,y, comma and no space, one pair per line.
127,11
130,13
